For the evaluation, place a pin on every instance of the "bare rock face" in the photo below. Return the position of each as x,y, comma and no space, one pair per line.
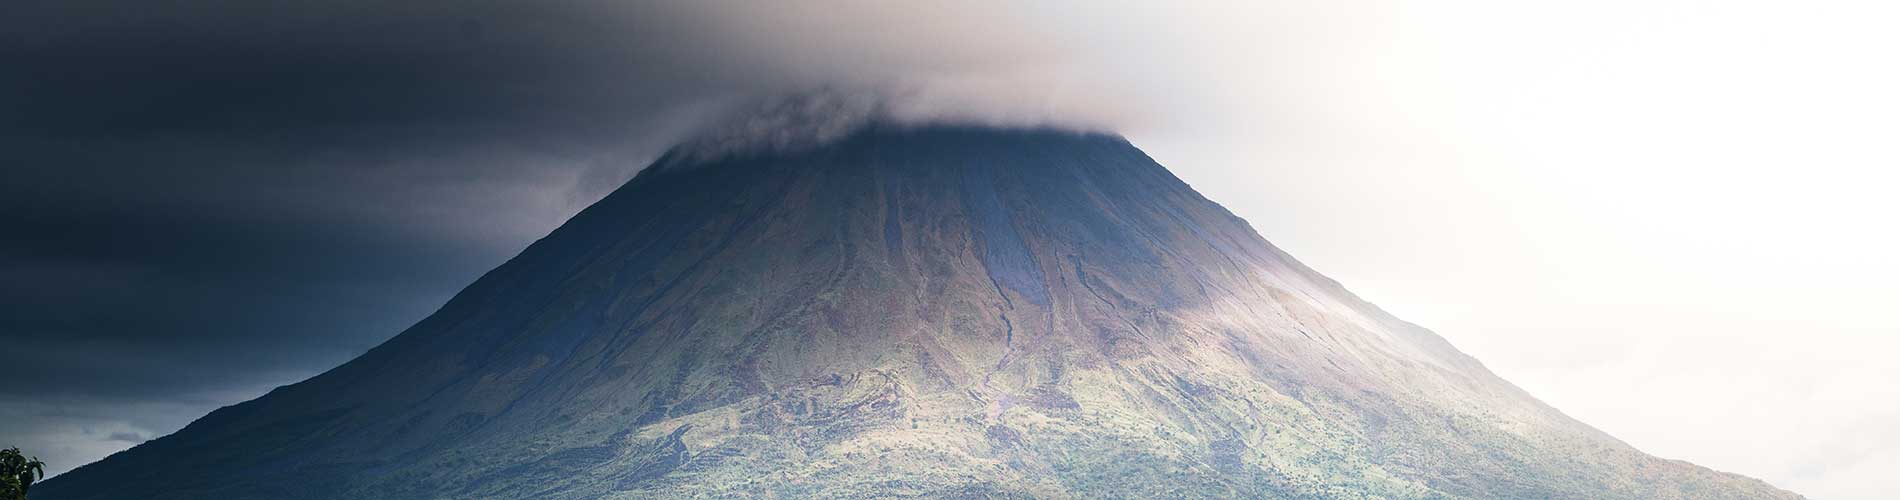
926,311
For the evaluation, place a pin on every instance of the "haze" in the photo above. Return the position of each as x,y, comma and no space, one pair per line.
1669,219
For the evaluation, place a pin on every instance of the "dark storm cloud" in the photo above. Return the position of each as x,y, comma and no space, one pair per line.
198,189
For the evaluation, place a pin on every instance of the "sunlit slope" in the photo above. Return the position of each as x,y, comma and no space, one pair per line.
935,311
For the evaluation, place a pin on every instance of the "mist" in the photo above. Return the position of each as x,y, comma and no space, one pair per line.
1667,219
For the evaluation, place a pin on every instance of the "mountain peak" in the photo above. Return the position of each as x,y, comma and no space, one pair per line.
782,124
882,311
796,122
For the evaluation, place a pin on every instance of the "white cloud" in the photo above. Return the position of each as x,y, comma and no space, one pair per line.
1668,219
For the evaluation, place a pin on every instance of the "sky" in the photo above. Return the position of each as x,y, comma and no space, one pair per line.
1670,219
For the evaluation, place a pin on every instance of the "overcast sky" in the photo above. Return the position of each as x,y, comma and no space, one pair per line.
1668,218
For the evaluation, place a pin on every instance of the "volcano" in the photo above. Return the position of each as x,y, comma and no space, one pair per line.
929,311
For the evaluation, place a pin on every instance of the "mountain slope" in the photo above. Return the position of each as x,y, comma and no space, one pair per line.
937,311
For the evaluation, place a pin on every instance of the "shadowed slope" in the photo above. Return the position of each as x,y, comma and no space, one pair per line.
936,311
